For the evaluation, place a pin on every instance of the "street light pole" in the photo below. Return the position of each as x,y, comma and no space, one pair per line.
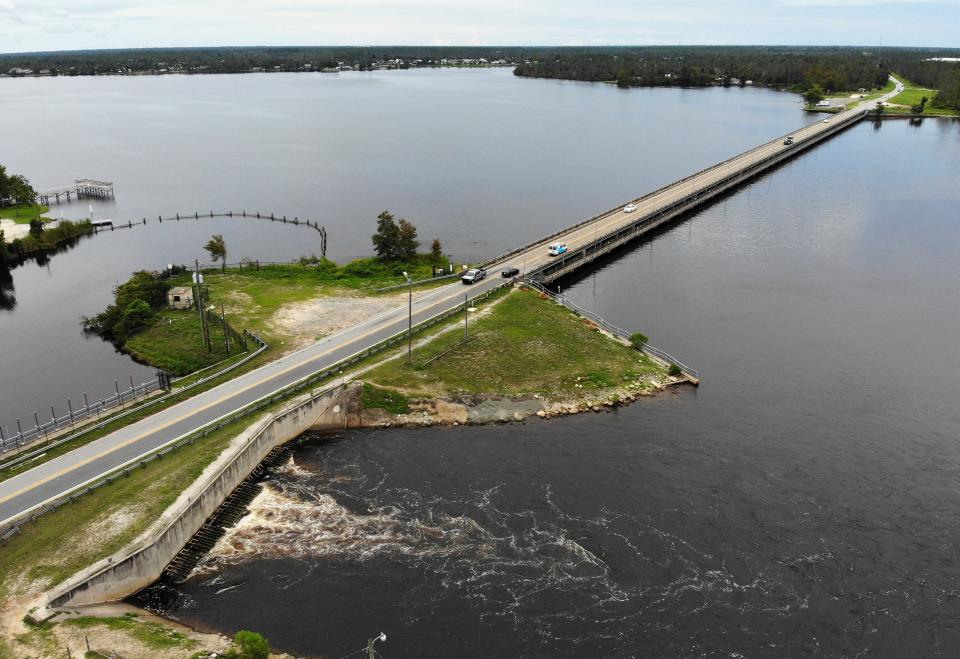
409,327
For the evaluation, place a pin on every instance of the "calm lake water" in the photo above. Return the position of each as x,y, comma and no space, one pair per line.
462,154
802,501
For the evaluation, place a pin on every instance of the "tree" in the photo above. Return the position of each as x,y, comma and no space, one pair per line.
217,247
638,340
407,242
436,251
20,189
250,645
4,184
36,227
813,95
386,239
624,76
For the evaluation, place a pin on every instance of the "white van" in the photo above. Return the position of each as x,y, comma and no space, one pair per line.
556,249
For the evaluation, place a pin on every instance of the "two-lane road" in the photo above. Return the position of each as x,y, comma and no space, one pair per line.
66,473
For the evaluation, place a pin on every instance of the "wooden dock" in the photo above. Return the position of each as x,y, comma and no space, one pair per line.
84,188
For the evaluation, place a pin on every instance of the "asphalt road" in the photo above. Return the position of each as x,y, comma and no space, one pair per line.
73,470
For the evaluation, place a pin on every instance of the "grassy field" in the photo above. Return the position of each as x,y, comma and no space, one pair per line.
23,214
871,94
912,93
252,297
524,345
175,343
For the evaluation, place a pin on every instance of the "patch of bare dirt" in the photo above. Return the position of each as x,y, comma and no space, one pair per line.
314,319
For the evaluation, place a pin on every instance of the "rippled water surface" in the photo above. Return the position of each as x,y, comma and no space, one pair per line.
802,501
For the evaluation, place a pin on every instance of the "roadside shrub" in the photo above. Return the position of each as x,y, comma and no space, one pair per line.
638,339
250,645
674,371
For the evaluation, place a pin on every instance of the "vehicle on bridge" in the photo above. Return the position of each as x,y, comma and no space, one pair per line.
556,249
473,275
629,208
788,141
510,272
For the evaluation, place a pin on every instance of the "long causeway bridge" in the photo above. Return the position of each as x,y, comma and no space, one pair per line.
36,490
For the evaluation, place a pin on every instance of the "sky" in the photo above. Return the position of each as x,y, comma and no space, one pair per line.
36,25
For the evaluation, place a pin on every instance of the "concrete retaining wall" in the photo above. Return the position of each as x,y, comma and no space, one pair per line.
142,563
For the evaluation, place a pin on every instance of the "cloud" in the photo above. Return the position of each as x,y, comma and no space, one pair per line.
30,24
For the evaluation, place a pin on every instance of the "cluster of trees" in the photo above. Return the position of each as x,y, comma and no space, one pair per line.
921,68
134,307
396,240
15,189
698,66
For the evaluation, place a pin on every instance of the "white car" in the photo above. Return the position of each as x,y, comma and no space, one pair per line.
556,249
629,208
826,121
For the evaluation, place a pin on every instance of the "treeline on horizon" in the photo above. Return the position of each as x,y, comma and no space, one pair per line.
794,68
786,67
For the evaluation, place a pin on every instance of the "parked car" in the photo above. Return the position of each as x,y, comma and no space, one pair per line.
510,272
788,141
629,208
556,249
473,275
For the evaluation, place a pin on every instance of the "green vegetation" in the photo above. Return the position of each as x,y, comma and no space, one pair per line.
42,240
174,342
814,95
638,340
153,635
393,402
395,240
15,189
674,371
525,344
134,308
217,248
249,645
23,214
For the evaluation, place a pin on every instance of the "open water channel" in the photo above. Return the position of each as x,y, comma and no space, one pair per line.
803,500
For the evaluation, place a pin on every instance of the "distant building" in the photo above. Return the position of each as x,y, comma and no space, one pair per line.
17,71
180,297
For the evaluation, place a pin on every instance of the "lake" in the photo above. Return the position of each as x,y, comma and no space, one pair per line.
461,153
802,500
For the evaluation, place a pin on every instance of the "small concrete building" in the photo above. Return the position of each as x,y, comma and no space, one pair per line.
180,297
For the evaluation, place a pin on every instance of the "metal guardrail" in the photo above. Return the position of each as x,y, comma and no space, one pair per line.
610,327
418,281
648,195
34,452
14,528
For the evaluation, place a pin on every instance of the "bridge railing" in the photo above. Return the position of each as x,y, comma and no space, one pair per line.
663,355
587,222
24,438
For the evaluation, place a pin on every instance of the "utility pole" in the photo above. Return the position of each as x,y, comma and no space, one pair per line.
198,278
465,335
409,330
223,325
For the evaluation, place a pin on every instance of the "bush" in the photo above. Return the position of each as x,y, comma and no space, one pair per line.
250,645
638,339
674,371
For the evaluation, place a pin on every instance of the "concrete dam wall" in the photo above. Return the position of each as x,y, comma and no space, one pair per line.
143,562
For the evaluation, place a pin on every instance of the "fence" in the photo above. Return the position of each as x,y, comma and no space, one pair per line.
613,329
119,399
297,387
273,217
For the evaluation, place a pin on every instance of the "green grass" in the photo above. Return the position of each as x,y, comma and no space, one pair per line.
869,95
911,95
252,297
525,345
23,214
393,402
175,343
151,634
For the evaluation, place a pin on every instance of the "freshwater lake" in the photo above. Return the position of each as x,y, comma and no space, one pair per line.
803,500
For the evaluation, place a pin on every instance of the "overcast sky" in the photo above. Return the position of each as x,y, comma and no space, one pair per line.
29,25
